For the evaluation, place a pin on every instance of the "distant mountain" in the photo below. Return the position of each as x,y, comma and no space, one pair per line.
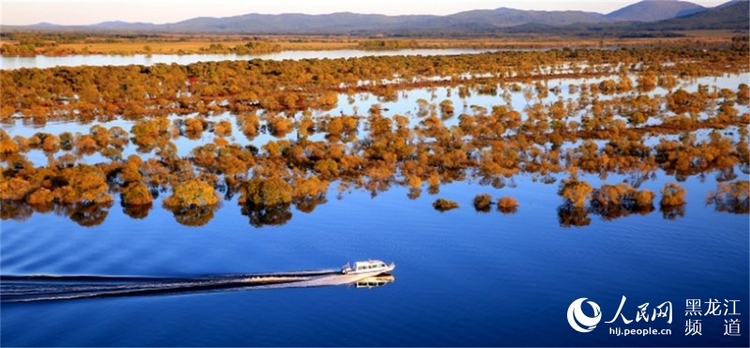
295,23
46,24
346,22
506,17
734,15
655,10
114,25
649,15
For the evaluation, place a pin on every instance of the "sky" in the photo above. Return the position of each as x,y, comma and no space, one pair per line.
170,11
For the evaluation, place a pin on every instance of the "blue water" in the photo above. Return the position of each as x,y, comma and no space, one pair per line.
42,62
462,278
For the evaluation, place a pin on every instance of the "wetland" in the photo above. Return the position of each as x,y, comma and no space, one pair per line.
625,169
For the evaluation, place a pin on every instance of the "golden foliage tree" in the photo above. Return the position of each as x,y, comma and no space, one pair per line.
192,193
136,193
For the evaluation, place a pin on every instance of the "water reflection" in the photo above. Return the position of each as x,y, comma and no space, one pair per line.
606,203
262,215
374,282
42,62
137,212
672,212
731,198
569,216
50,288
15,210
84,214
194,215
611,213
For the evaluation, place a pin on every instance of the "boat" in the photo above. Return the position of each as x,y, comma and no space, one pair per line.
369,267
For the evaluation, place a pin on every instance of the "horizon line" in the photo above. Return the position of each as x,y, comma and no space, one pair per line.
52,22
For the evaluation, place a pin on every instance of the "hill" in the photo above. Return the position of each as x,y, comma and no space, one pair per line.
734,15
347,22
295,23
655,10
506,17
660,16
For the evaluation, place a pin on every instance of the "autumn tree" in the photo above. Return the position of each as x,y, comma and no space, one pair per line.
575,192
442,204
83,184
192,193
672,195
507,205
136,193
482,202
266,191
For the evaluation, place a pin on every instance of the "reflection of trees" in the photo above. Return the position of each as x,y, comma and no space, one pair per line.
731,198
614,212
726,174
137,211
15,210
309,203
261,215
672,212
433,189
569,216
508,210
733,206
414,193
84,214
614,201
87,214
376,186
636,178
43,207
194,216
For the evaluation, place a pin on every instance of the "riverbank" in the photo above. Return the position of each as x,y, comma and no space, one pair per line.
29,44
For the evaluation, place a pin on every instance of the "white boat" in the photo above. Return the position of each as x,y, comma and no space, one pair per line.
370,267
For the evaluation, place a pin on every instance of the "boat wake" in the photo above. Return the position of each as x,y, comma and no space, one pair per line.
48,288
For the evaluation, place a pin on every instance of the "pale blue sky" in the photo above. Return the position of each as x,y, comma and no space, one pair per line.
170,11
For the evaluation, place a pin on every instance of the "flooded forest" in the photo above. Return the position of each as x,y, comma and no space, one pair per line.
276,137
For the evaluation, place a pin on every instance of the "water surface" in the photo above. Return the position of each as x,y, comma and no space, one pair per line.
184,59
463,278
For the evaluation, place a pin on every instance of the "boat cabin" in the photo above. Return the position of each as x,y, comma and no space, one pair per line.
366,267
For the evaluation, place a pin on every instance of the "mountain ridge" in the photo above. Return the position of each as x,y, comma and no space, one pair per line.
655,10
652,12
